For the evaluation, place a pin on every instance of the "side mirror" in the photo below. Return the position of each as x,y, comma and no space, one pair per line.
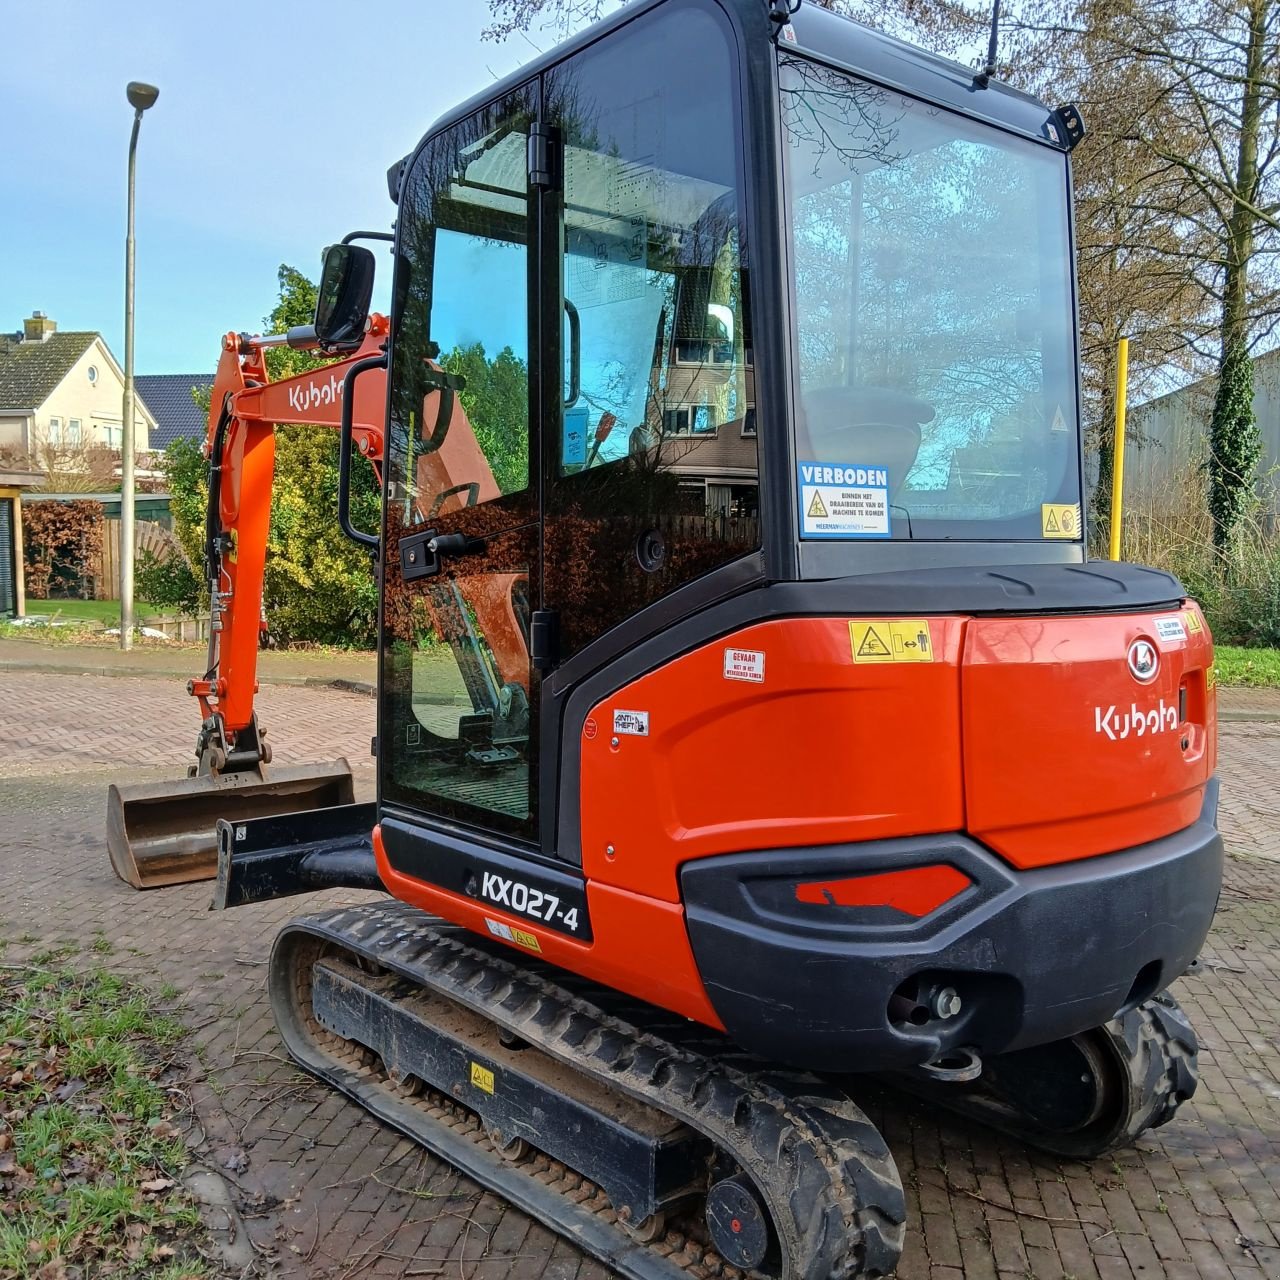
342,301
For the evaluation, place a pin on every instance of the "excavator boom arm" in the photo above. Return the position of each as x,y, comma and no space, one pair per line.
244,408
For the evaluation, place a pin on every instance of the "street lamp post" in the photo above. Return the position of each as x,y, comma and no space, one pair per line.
141,96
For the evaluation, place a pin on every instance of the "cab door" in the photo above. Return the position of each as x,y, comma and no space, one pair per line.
652,472
459,694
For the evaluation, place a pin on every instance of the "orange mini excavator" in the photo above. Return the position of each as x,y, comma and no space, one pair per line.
750,715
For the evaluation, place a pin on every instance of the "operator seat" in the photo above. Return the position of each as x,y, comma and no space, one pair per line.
866,426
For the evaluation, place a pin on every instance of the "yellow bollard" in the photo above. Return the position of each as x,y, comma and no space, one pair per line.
1117,455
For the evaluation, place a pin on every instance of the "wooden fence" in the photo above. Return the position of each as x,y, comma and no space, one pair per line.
148,538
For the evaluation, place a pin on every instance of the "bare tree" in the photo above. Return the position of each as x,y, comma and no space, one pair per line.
1191,98
1178,184
945,24
69,466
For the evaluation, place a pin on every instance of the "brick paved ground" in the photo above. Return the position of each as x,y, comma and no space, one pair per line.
328,1192
101,657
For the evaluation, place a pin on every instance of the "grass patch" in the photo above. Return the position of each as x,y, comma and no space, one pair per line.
89,1153
1250,668
104,611
78,633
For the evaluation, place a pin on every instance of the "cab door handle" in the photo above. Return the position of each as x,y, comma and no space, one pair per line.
422,555
455,544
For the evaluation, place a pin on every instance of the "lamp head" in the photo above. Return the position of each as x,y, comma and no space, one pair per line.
141,96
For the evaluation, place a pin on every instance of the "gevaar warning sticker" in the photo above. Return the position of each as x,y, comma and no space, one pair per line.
744,664
839,500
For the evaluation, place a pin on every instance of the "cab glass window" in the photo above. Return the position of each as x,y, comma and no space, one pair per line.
934,320
654,475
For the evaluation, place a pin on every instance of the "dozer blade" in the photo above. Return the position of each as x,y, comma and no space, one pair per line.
285,854
164,833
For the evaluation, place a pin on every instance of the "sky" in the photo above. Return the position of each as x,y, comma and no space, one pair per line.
271,138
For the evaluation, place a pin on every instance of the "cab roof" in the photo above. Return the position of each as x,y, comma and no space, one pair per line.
815,32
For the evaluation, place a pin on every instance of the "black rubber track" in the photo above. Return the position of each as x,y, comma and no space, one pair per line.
820,1166
1149,1068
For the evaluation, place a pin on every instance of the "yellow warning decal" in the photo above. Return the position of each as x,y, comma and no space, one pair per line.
1211,677
1194,625
903,640
482,1077
521,937
1060,519
816,509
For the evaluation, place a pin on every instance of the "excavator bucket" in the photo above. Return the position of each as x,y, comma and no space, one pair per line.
166,832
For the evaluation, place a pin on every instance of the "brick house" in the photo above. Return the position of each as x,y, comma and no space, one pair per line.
61,393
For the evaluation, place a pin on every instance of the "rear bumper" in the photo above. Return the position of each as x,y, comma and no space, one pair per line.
1033,955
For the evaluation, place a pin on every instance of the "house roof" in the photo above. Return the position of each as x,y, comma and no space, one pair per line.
168,398
31,371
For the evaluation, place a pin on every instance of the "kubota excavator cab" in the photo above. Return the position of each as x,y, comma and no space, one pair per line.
740,651
785,695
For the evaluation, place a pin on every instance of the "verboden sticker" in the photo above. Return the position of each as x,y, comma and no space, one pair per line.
1170,628
843,500
744,664
635,723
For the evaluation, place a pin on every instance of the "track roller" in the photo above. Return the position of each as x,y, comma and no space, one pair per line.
738,1223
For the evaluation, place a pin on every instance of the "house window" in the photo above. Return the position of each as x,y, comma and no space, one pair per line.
55,430
675,422
700,351
113,437
693,419
691,496
73,430
749,421
93,373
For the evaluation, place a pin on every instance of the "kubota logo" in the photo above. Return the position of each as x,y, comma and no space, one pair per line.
1144,660
1120,724
315,393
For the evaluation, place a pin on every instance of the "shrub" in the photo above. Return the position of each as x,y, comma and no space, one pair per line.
1238,589
318,588
170,583
61,547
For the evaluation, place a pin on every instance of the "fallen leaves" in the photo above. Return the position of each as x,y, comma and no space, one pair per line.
89,1146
